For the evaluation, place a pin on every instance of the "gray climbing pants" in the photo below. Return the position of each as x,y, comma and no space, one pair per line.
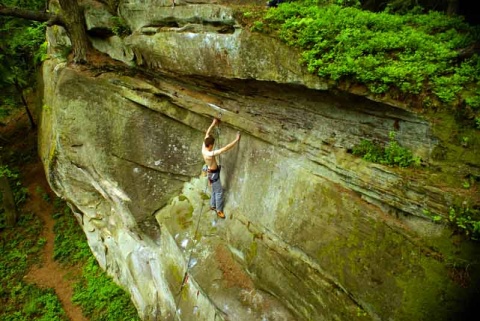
216,200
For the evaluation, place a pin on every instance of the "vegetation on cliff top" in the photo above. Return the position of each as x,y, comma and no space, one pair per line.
426,58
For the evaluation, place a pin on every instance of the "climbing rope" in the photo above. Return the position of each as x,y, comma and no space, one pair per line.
185,276
218,144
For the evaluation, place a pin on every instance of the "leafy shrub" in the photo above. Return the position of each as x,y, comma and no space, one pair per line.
44,306
21,247
100,297
257,26
369,151
97,294
41,54
410,54
392,154
21,52
473,100
43,194
70,245
20,193
120,27
7,106
465,219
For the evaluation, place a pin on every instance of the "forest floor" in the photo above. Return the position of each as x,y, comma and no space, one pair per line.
16,137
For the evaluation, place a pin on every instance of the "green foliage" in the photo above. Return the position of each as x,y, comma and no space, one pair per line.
465,141
462,218
477,122
120,27
257,26
97,294
6,171
392,154
466,220
70,245
41,54
43,194
470,181
100,297
20,193
435,218
8,104
37,304
248,14
21,247
21,51
473,99
27,41
408,54
361,312
369,151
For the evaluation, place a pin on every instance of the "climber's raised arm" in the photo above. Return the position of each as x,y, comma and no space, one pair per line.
228,146
214,122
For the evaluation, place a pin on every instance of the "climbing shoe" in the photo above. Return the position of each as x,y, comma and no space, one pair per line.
220,214
212,208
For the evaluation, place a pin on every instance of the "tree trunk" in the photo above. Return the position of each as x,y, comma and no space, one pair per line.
72,18
29,114
51,19
452,7
75,25
8,202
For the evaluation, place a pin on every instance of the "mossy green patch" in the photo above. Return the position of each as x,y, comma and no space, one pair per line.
184,222
52,157
458,145
185,290
182,210
174,277
252,252
425,290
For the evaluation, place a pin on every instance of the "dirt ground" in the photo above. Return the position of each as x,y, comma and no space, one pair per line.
16,135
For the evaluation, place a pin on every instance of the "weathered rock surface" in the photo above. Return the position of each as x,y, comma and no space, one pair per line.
312,232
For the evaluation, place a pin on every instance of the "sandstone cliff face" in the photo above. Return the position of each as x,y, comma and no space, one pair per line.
312,232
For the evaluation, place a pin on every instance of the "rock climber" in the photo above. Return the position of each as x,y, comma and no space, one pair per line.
213,170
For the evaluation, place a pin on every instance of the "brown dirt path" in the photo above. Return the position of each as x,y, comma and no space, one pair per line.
49,273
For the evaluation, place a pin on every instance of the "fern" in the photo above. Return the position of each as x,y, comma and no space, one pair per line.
412,54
